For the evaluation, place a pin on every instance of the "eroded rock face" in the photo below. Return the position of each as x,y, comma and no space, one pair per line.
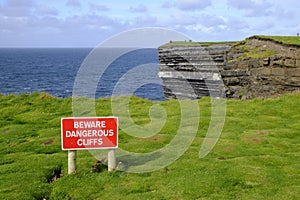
256,68
270,69
190,72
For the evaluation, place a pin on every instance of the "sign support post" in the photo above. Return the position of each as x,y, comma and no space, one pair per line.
71,161
111,162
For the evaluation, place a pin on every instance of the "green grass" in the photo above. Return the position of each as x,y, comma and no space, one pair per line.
188,43
293,40
256,157
256,53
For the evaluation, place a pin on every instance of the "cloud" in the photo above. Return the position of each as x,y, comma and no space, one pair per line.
140,8
12,24
145,21
211,20
96,7
46,10
187,5
208,26
182,19
16,8
193,19
252,8
19,3
237,24
73,3
167,4
79,30
37,23
89,20
192,4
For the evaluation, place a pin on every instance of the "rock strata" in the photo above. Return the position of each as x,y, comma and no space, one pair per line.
253,68
270,68
192,71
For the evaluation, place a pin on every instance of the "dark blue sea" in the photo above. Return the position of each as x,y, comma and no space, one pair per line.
54,71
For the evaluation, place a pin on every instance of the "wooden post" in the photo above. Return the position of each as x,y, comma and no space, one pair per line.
71,161
111,160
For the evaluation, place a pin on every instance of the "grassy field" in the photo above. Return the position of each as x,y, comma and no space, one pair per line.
256,157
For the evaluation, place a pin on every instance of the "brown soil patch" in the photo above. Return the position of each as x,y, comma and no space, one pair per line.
154,138
48,142
254,140
229,149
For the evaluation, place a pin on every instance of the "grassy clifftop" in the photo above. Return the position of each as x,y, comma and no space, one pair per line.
289,40
190,43
256,157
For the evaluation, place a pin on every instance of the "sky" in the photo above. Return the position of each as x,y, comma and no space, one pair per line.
87,23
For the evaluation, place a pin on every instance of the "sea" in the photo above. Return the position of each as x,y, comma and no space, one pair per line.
54,71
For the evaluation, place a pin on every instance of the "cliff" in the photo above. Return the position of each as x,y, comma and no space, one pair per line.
259,66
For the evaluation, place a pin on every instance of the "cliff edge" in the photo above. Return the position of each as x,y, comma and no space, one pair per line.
259,66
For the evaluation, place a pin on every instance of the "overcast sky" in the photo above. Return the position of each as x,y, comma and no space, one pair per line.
86,23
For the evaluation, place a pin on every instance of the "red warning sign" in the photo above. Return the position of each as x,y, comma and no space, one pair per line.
89,133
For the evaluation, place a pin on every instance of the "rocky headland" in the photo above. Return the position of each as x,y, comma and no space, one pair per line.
259,66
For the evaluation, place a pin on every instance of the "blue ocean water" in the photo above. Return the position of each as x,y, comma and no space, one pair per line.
54,71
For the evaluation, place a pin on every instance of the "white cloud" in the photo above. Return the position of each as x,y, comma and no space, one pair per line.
182,19
198,20
73,3
237,24
211,20
140,8
252,8
200,28
167,4
46,10
19,3
75,30
96,7
85,23
16,8
89,22
192,4
145,21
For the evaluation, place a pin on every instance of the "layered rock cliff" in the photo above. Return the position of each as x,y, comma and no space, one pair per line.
195,66
256,67
267,67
